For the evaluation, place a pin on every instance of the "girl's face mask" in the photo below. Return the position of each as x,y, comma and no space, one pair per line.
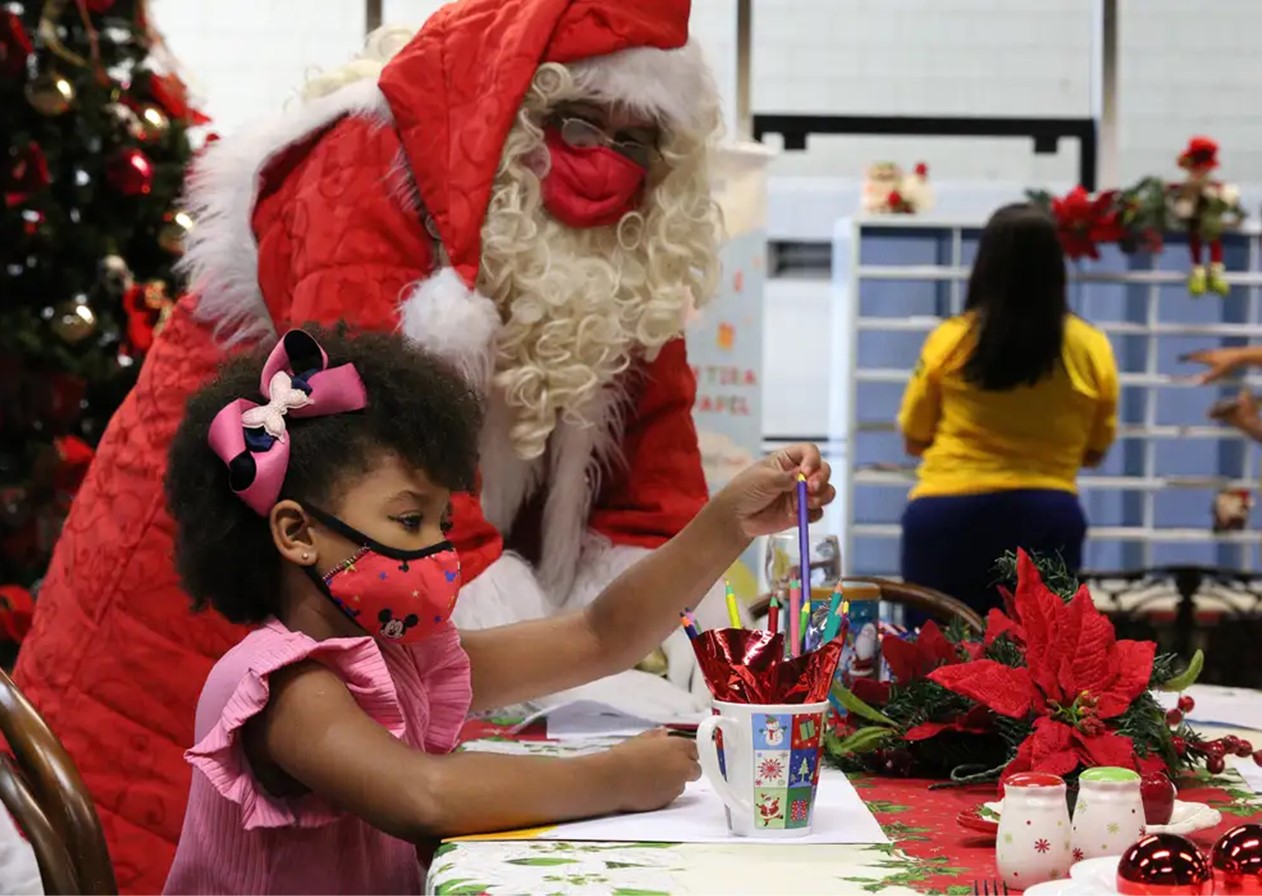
393,595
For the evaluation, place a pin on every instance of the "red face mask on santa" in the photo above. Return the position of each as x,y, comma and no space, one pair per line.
589,186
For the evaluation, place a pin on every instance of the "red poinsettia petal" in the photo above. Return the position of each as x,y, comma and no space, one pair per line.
1049,748
871,691
903,658
975,721
1082,652
1134,669
1106,749
1041,612
934,646
997,625
1007,691
926,730
1009,604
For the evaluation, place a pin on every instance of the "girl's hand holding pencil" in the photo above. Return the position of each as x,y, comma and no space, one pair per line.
763,499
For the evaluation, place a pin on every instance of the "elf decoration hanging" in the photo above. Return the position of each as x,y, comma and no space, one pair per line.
1205,207
1138,218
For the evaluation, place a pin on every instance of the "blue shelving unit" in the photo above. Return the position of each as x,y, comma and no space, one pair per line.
1150,502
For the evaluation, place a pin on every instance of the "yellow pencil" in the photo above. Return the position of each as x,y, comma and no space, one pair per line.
733,611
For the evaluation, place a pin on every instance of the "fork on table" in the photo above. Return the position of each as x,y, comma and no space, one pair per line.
989,888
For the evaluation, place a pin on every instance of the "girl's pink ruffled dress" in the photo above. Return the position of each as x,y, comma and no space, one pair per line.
239,839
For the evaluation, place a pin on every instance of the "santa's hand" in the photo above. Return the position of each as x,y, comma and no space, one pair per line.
764,498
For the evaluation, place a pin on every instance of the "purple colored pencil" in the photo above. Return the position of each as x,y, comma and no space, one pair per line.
804,540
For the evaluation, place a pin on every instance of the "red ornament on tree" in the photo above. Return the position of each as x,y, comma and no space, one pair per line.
1164,865
1237,860
15,45
27,175
130,172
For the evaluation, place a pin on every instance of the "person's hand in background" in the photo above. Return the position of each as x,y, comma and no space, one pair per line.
1223,362
1241,413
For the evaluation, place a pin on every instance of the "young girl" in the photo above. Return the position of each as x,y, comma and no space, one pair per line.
324,738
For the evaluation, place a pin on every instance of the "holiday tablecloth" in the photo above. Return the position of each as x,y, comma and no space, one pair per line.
930,853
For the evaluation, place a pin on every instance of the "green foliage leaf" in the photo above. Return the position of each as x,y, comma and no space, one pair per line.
865,740
853,704
1188,676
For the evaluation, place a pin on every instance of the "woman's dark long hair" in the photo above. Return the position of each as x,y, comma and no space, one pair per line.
1017,294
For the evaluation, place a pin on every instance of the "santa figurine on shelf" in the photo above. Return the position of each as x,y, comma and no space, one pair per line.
1206,207
523,188
888,191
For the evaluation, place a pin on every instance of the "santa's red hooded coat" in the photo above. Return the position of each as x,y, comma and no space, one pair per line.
312,219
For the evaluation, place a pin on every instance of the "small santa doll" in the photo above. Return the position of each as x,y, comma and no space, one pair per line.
1206,207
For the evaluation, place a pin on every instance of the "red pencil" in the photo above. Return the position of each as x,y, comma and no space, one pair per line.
773,615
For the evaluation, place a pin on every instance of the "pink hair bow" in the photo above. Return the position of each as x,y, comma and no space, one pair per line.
252,438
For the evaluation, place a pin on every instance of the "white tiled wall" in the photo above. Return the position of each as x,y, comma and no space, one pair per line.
1186,67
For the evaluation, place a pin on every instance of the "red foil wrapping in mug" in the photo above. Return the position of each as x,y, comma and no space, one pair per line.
744,666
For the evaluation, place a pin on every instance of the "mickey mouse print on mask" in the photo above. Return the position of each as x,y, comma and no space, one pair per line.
408,593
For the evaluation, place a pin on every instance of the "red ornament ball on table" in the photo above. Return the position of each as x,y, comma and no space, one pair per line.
130,172
1237,860
1164,865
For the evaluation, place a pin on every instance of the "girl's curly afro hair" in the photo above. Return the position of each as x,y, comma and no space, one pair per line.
418,408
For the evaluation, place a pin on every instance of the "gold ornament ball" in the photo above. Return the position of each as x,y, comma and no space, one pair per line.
152,124
50,94
172,234
74,321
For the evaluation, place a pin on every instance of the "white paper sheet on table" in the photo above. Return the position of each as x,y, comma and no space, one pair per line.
1216,705
698,817
1249,771
587,719
621,705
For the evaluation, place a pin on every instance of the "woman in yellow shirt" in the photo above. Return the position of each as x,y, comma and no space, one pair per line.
1007,402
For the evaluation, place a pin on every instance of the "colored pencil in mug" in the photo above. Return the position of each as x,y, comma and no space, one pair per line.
834,615
773,615
804,538
689,625
806,626
795,618
733,612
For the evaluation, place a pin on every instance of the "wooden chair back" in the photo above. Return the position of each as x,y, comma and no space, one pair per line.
46,796
934,604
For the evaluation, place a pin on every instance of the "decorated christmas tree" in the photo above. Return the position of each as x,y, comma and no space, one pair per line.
95,135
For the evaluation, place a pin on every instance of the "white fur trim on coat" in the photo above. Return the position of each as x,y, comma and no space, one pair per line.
454,322
506,592
222,257
674,85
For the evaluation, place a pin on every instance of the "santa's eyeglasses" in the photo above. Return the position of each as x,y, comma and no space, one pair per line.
582,134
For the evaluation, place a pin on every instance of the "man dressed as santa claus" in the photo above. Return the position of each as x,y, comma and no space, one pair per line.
523,189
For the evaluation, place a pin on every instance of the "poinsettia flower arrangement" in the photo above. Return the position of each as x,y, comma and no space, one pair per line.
1046,687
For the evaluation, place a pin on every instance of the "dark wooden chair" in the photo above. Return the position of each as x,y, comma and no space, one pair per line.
934,604
42,790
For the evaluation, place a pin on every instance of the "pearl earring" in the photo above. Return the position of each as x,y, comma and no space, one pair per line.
306,556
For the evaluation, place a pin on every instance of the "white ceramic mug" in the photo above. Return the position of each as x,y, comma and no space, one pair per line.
1032,845
1109,813
763,760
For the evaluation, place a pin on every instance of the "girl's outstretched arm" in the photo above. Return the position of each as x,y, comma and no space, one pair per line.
312,735
641,607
